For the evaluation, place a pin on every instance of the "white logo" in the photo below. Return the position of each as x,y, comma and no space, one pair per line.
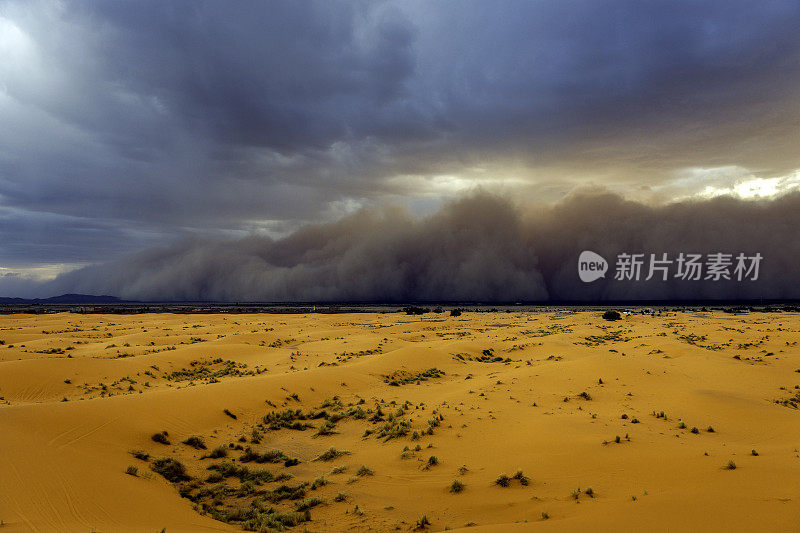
591,266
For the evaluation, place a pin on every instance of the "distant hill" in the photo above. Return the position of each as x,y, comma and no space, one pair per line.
65,299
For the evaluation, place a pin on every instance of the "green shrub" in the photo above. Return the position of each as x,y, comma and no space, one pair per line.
195,442
170,469
272,456
331,454
503,480
308,503
456,486
523,479
218,452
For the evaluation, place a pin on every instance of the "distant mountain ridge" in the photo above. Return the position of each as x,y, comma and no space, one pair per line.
65,299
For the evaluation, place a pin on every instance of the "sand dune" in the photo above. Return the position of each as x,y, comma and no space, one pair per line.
485,394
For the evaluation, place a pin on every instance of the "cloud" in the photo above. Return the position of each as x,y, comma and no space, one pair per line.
480,248
197,118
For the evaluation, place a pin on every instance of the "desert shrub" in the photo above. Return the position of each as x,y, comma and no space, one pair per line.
132,470
319,482
331,454
523,479
272,456
161,438
217,453
456,486
139,454
170,469
243,473
364,471
327,428
195,442
308,503
611,315
272,521
503,480
287,492
290,419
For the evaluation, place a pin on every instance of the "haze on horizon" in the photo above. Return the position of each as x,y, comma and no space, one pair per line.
392,150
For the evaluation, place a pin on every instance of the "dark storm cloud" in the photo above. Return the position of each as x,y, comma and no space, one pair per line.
184,117
57,239
480,248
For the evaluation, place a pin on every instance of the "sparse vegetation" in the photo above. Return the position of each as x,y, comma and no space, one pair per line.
401,377
319,482
308,503
139,454
170,469
364,471
271,456
456,486
217,453
161,438
331,454
422,522
195,442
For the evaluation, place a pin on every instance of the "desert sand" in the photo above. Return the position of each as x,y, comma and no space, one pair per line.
630,425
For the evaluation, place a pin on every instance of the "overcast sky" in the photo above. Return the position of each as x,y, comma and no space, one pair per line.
125,125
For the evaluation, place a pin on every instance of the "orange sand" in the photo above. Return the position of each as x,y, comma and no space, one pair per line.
62,463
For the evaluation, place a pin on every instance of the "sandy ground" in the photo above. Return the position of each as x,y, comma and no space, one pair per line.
547,393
